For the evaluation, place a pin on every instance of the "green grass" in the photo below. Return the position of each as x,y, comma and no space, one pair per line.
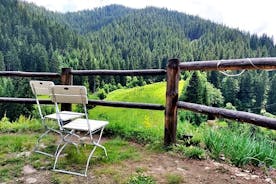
241,147
235,142
12,161
118,150
141,125
10,146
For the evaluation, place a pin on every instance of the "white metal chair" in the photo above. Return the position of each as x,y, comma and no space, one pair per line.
42,88
77,95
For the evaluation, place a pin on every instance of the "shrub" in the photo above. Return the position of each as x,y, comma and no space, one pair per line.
140,178
22,124
190,151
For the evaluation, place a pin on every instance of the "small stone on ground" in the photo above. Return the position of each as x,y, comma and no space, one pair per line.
31,180
28,169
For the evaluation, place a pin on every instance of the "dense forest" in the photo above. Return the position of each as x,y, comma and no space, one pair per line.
116,37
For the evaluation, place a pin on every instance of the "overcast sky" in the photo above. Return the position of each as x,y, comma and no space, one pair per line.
255,16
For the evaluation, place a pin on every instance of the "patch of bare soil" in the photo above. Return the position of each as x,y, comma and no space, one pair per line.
159,166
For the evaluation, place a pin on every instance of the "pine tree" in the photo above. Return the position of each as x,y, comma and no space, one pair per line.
2,64
260,84
271,107
230,89
195,90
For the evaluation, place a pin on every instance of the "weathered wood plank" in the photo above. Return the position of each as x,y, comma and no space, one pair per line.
230,114
120,72
268,63
92,102
171,100
127,105
66,79
28,74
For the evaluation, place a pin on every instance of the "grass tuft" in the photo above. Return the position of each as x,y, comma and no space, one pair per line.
174,178
141,178
190,151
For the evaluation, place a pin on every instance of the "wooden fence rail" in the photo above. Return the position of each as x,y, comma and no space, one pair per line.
231,64
120,72
230,114
28,74
92,102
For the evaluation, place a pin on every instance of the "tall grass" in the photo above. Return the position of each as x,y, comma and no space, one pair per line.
240,147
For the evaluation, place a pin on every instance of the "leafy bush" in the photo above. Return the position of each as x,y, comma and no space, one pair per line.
101,94
22,124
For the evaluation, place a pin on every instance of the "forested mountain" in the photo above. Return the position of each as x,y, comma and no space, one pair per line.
116,37
147,38
87,21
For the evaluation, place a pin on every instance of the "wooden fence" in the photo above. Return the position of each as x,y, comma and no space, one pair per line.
174,68
172,73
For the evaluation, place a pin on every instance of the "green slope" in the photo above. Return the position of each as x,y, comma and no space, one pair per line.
142,125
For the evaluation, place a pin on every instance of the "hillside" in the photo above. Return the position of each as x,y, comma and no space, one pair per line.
131,123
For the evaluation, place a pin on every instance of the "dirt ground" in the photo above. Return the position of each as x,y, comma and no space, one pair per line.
159,166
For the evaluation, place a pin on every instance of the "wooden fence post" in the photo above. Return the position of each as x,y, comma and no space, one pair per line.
66,79
173,72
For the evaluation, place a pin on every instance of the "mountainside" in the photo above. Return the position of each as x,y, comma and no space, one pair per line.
87,20
116,37
147,38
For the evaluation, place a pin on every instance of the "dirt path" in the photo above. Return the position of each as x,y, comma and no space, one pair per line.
160,166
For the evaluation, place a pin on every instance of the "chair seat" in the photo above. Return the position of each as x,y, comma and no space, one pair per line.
81,124
65,115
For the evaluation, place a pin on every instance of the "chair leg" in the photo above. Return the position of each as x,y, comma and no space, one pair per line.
58,151
41,136
88,160
101,146
37,144
95,143
58,154
71,133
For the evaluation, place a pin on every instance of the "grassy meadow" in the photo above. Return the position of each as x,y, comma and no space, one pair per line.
141,125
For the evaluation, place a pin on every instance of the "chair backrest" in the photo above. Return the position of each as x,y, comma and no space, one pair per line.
41,87
69,94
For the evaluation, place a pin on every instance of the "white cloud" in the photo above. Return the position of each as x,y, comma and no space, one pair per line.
247,15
